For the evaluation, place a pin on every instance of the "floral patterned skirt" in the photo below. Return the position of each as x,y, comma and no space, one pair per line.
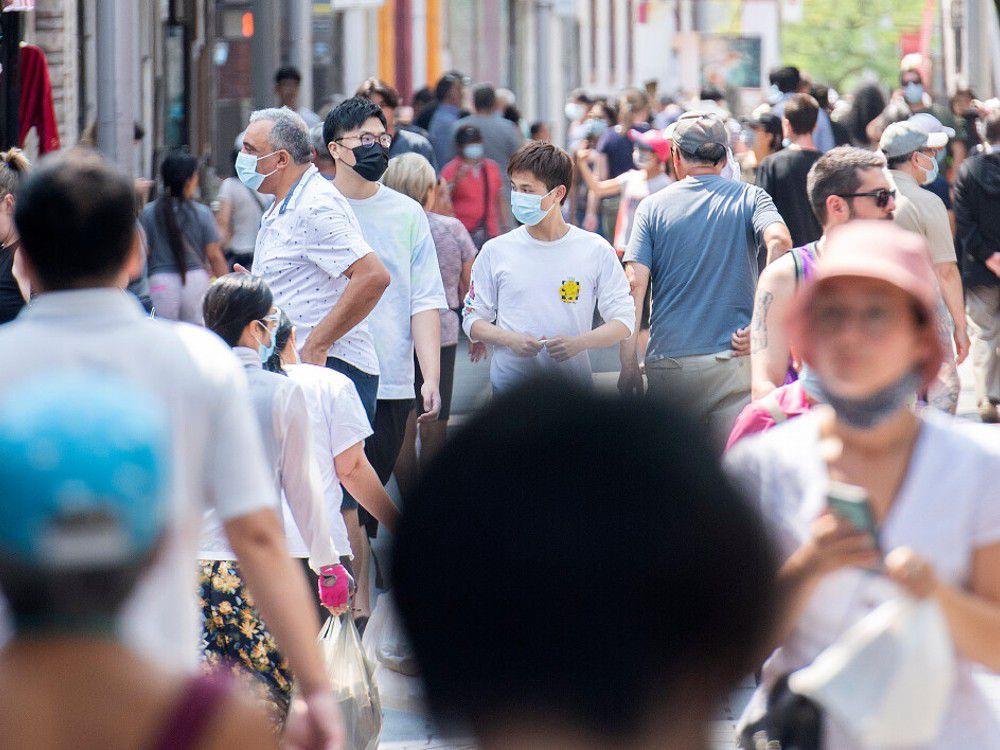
234,638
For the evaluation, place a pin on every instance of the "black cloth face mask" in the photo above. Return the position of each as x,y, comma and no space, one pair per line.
370,162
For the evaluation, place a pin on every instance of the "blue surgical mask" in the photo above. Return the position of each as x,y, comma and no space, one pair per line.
265,351
246,169
869,411
472,151
932,173
527,208
913,92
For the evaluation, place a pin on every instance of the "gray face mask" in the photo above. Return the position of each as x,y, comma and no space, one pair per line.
869,411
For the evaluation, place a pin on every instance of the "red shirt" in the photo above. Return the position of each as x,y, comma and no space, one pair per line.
790,400
470,197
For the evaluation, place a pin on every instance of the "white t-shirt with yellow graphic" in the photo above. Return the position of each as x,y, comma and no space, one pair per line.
546,289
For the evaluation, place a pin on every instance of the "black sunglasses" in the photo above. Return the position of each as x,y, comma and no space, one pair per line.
882,196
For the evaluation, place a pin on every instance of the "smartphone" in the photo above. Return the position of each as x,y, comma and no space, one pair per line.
850,502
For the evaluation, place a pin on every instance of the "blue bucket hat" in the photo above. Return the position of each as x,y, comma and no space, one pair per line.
84,467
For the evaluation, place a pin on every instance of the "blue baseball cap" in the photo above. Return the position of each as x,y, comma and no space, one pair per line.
84,467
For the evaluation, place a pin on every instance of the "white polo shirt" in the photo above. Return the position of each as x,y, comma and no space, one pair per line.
305,244
218,459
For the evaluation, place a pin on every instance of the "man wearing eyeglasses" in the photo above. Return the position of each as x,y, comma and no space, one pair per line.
911,152
407,318
845,184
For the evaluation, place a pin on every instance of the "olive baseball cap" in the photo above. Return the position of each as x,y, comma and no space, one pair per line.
695,130
902,138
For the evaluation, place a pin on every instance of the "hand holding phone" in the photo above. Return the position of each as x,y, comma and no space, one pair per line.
850,502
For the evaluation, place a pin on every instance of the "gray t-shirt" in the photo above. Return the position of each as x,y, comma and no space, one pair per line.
700,238
197,227
408,142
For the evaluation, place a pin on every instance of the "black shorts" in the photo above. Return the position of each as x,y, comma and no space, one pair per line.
447,384
382,448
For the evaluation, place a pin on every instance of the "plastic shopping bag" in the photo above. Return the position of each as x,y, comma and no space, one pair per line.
394,650
888,679
353,683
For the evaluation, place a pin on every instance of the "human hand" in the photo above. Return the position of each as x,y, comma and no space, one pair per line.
240,268
562,348
836,543
911,571
477,350
583,155
314,723
334,586
740,341
993,263
630,379
962,342
590,222
431,398
523,345
312,354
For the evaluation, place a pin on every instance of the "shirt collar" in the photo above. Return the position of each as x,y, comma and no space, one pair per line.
291,201
91,305
248,357
898,174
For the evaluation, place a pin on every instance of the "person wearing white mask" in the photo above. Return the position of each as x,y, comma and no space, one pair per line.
534,290
910,155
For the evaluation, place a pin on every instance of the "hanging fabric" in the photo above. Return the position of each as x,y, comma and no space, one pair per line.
36,109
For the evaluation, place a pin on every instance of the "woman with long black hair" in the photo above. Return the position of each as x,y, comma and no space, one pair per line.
183,242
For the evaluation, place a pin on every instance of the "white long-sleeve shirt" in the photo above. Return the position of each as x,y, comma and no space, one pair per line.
280,407
546,289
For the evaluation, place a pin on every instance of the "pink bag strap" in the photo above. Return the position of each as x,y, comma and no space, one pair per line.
186,725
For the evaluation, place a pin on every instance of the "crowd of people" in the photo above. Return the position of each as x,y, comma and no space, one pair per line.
197,464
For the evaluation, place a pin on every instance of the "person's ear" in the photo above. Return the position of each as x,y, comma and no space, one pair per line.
836,207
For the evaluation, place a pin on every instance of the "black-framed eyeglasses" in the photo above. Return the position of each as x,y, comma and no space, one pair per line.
368,140
882,196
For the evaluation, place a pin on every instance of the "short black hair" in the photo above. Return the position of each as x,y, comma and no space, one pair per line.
287,73
821,93
467,134
535,128
711,94
484,97
350,114
546,161
801,111
522,626
581,96
838,172
895,162
787,79
445,82
76,218
233,302
423,96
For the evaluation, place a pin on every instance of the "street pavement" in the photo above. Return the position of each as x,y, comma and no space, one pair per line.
405,724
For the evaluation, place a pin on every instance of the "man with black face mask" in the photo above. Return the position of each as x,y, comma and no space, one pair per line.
407,318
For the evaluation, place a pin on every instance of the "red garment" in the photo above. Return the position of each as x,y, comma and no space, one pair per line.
36,109
758,416
467,194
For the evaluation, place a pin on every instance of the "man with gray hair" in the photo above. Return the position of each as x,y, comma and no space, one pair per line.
310,250
698,241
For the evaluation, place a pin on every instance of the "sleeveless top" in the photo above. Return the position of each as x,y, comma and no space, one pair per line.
192,715
11,300
804,259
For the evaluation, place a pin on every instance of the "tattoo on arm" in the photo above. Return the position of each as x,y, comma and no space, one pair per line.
758,336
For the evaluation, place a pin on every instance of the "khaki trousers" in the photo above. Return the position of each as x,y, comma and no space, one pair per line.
982,304
714,388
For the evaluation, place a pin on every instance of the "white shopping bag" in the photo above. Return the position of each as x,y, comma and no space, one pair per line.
888,679
353,681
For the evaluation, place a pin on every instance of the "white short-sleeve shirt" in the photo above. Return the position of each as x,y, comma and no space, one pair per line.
217,455
338,422
397,227
305,243
947,507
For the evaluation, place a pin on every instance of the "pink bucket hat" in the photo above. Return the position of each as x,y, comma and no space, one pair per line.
874,250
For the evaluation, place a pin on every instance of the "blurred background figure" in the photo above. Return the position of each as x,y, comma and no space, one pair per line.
15,288
183,238
474,185
78,531
403,141
539,131
238,218
323,160
287,82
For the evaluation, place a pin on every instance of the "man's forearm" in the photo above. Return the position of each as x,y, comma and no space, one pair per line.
605,335
357,301
279,590
629,348
426,329
488,333
364,485
950,281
